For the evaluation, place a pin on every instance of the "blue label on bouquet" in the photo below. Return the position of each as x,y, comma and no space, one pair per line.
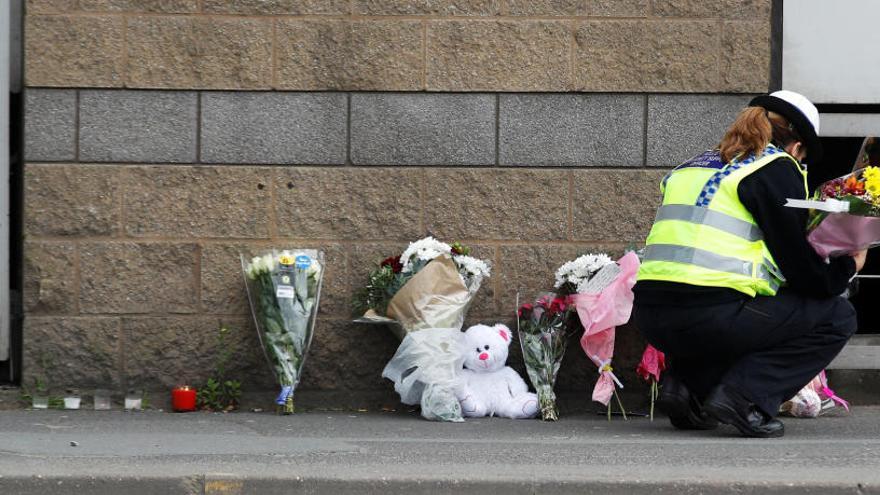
303,261
286,391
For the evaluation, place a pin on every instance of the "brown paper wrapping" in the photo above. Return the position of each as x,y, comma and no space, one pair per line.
435,297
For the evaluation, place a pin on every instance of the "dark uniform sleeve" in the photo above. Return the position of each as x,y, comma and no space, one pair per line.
764,193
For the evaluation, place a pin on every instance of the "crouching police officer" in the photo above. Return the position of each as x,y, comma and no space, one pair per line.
729,288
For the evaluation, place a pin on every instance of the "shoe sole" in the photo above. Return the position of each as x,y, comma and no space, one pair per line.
725,414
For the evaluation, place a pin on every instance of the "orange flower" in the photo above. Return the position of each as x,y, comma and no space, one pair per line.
854,186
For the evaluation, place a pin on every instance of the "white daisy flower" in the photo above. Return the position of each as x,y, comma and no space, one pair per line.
472,267
423,249
579,270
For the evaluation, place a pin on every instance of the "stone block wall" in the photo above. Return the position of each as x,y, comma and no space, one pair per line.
164,136
401,45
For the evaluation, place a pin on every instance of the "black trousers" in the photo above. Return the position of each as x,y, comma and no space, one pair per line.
767,348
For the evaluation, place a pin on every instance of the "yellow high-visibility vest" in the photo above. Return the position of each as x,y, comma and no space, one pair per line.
704,235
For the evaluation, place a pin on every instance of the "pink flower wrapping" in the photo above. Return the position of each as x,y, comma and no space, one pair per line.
600,314
842,233
653,363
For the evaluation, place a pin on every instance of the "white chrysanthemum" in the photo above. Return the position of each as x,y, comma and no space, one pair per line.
579,271
423,249
268,263
314,268
253,267
472,267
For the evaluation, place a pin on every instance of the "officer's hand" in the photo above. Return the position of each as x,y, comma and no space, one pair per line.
859,257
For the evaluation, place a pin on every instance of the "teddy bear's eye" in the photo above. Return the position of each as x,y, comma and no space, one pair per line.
478,349
486,347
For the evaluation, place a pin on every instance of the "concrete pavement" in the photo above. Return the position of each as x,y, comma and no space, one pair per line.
338,452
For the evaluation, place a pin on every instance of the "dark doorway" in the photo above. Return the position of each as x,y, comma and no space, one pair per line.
10,368
840,156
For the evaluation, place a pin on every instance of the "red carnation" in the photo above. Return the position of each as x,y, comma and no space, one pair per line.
544,301
557,305
525,310
393,262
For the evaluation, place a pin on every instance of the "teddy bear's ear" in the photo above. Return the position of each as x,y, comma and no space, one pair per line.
504,332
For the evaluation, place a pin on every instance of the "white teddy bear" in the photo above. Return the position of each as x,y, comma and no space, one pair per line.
487,386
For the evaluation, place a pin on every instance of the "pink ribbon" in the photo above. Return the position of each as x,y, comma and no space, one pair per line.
831,395
827,392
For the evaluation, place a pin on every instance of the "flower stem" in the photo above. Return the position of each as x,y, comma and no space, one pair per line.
547,401
619,403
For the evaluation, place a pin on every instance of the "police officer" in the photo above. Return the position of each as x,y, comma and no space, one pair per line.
729,288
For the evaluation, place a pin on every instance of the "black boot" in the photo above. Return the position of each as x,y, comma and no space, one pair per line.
730,407
682,407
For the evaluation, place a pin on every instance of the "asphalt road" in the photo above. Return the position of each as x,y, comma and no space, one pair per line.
154,452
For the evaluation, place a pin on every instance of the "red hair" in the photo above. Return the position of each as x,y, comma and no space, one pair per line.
753,129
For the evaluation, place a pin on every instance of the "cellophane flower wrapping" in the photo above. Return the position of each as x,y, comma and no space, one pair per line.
284,289
424,295
815,399
602,296
425,370
543,329
845,213
805,404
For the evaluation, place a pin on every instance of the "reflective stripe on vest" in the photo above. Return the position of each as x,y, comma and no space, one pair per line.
699,257
705,216
713,261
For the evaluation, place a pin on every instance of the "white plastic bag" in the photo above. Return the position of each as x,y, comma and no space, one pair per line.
425,371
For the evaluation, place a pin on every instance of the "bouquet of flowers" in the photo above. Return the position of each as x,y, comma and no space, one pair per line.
430,285
283,289
543,335
845,213
653,363
602,295
424,294
815,399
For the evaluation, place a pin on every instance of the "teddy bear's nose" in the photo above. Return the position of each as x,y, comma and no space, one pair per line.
484,356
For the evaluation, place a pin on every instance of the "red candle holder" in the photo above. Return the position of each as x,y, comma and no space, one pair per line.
183,399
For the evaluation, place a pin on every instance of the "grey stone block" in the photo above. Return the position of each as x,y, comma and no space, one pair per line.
680,126
572,130
137,126
422,129
251,127
50,124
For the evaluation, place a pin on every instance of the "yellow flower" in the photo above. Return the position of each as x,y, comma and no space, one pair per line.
872,181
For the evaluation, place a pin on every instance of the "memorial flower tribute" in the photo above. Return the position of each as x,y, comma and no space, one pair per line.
845,213
651,366
284,288
430,285
603,300
423,295
543,328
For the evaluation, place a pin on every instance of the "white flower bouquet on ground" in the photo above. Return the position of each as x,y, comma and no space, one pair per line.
424,295
284,288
